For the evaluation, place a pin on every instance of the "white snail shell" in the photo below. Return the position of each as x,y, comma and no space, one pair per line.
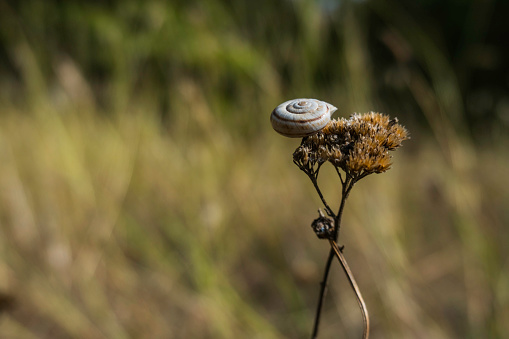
298,118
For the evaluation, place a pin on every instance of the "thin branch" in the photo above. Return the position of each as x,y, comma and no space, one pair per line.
327,208
339,174
353,284
347,185
345,191
323,289
337,225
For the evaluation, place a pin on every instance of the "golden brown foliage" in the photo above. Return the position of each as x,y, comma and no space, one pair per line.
359,145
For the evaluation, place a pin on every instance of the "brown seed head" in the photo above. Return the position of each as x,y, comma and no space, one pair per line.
359,145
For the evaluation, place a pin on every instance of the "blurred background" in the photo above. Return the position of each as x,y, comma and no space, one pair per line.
144,194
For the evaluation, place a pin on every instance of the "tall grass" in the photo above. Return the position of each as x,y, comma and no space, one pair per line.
143,193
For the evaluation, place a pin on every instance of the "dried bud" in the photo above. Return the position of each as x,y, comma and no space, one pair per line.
323,226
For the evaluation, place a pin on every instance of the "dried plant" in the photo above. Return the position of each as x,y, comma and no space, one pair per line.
356,147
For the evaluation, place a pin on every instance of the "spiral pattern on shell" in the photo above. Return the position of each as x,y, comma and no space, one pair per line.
298,118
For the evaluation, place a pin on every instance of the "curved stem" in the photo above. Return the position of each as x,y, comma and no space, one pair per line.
323,288
346,187
345,191
327,208
353,284
339,174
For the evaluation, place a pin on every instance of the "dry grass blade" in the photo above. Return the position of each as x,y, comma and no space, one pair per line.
351,280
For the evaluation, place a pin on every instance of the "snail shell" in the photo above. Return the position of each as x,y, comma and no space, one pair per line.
298,118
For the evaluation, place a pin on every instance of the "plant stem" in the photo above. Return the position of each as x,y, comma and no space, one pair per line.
353,284
327,208
345,191
323,287
347,185
337,224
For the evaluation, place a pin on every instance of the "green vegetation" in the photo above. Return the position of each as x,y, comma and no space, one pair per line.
143,193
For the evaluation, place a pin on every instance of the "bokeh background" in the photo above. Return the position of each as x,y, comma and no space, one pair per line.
144,194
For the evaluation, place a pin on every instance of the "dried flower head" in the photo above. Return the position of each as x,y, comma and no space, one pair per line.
359,145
